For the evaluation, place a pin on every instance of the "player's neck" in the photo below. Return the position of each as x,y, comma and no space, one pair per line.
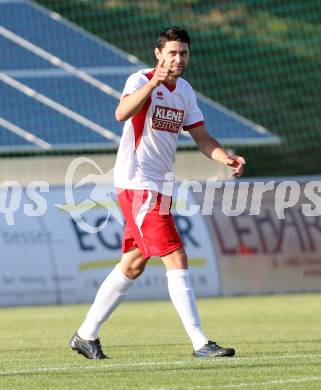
171,81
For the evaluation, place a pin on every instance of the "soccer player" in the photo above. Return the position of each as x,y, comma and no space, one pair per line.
156,105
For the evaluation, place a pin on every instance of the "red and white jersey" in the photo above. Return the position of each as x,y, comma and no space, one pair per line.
149,141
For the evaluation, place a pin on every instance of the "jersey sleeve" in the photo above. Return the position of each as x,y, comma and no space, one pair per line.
194,116
133,83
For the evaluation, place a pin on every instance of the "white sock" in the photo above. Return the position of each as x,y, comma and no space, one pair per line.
110,294
184,301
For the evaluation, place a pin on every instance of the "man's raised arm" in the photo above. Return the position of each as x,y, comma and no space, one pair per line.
131,104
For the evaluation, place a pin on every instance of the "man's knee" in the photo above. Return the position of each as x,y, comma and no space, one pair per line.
133,271
133,264
176,260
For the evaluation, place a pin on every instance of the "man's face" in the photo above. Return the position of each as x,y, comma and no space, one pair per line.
176,55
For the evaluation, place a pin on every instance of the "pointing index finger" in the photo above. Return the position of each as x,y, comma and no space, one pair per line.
161,63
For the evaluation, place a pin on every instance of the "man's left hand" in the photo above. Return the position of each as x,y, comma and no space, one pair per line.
237,164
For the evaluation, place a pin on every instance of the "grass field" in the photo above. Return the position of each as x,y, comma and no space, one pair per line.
278,342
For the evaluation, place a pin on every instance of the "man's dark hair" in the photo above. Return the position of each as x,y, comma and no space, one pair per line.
172,34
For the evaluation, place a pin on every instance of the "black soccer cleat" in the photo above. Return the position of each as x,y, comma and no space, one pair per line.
212,350
91,349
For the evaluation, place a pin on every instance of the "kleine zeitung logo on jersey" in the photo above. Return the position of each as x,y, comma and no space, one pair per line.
167,119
